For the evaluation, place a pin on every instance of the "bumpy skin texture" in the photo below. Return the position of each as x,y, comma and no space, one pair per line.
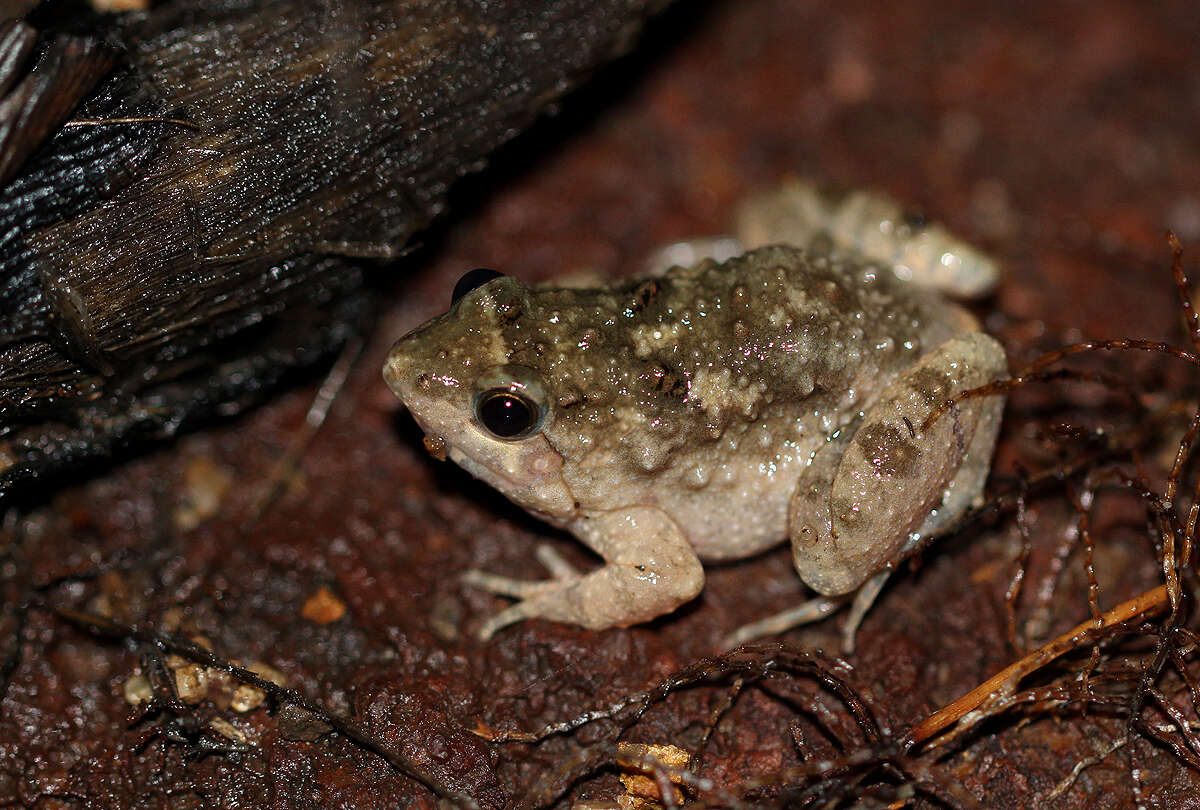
708,414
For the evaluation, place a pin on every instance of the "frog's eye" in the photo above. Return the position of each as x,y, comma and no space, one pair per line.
510,402
472,279
507,414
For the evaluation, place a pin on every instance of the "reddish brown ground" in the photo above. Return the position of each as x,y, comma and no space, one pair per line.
1064,136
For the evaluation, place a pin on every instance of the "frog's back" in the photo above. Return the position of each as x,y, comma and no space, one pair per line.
711,387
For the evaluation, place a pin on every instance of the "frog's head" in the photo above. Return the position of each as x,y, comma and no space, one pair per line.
488,415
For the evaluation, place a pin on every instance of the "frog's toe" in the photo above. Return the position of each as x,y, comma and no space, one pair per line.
806,613
510,615
526,590
556,563
561,571
508,586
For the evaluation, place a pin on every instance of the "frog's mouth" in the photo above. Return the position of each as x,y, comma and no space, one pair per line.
528,472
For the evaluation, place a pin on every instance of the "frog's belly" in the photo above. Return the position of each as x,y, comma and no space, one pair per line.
738,514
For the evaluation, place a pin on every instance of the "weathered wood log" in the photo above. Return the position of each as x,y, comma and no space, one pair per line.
197,230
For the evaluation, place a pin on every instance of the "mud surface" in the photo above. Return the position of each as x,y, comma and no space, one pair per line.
1061,136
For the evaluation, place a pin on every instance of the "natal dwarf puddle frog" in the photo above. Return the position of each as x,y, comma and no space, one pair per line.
711,411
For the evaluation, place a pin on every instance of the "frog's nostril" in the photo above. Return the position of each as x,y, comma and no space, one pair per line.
422,381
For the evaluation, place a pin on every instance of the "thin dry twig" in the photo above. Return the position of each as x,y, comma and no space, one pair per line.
129,119
1184,288
749,662
314,419
1013,592
1082,504
746,665
1069,780
973,706
1038,369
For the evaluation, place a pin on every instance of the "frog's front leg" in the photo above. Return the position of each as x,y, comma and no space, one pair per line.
650,569
869,496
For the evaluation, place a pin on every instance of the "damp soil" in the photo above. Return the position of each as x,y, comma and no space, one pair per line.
1060,136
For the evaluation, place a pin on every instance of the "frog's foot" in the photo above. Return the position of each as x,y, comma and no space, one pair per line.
806,613
563,574
561,571
525,609
815,610
871,225
651,569
692,252
555,563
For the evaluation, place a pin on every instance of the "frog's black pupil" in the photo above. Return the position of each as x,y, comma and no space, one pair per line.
506,414
915,220
472,279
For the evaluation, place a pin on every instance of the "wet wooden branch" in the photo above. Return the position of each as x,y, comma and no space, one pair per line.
198,228
972,707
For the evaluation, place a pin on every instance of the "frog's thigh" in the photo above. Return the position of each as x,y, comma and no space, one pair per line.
650,569
892,473
965,488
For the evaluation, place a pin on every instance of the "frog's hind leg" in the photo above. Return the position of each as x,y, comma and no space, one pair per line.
964,489
896,476
876,489
691,252
870,225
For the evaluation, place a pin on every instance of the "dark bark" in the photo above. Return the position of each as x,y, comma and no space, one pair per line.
209,239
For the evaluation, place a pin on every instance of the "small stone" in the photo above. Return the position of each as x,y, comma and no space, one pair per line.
137,690
323,607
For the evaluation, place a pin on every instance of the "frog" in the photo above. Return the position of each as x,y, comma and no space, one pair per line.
801,380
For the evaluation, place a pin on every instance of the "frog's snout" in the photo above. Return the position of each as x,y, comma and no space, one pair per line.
404,373
402,377
395,369
407,375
